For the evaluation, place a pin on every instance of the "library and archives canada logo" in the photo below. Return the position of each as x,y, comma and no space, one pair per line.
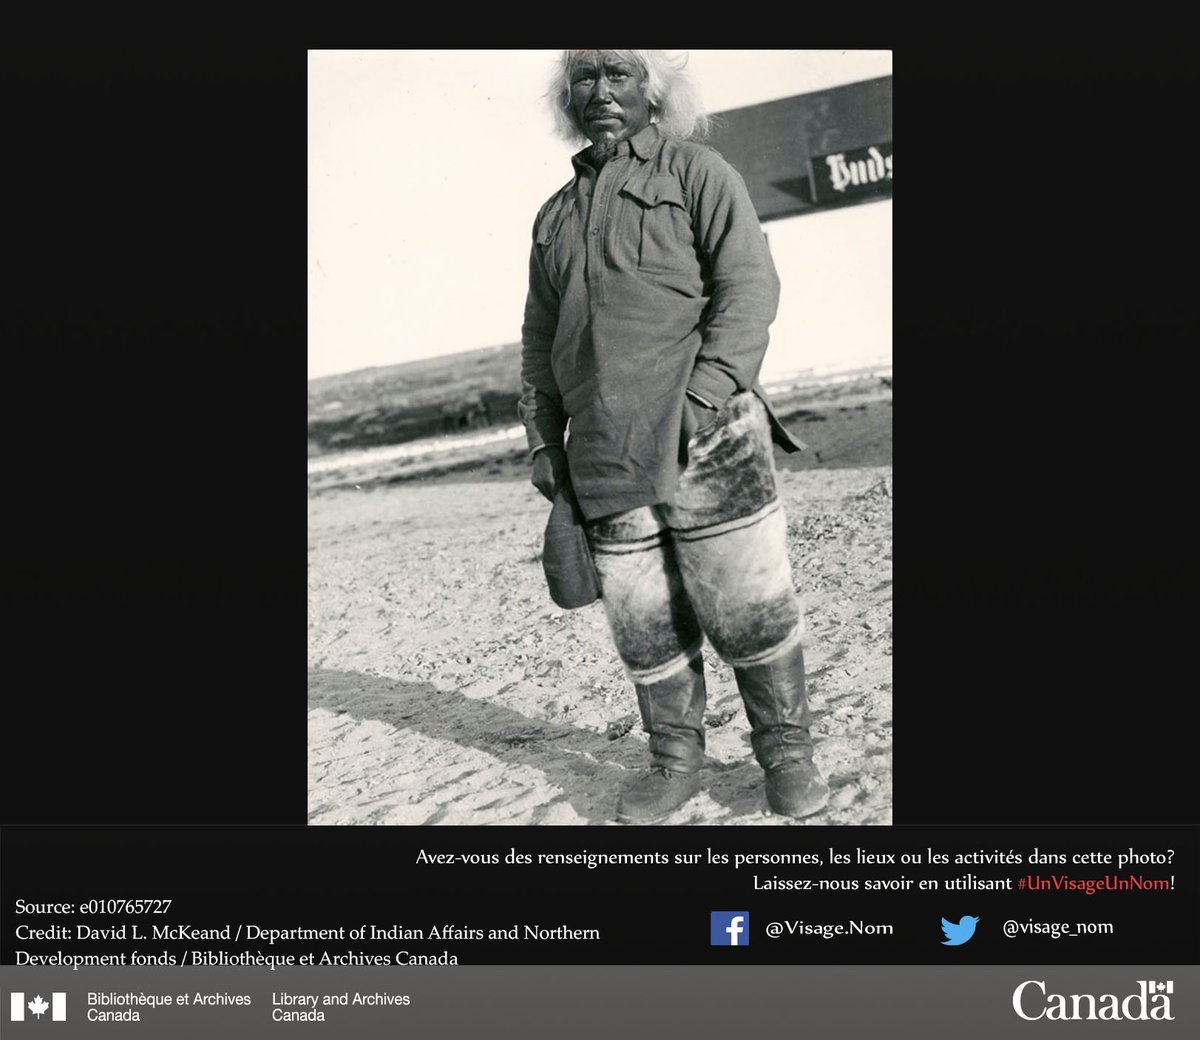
1150,1001
729,928
36,1007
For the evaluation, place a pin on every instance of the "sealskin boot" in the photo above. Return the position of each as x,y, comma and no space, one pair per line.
673,714
777,707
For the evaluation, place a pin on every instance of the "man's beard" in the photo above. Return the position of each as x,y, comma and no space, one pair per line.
602,151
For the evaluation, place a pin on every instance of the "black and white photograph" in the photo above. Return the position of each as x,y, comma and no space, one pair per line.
599,437
598,533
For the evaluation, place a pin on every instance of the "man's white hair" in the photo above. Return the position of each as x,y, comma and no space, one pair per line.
670,93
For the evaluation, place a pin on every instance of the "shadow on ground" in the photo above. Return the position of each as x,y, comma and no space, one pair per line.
582,769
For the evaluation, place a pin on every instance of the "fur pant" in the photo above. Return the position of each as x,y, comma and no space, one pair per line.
713,562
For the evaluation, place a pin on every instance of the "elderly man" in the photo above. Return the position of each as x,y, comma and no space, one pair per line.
651,290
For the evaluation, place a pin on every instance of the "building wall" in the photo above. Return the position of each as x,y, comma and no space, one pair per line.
835,273
834,261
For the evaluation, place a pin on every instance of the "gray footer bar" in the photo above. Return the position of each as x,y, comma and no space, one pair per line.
600,1002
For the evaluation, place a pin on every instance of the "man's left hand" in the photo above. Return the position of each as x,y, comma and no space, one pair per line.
696,417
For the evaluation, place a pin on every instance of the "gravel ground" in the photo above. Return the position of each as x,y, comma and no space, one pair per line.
445,687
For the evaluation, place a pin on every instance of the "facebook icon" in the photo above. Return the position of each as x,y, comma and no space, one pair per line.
729,928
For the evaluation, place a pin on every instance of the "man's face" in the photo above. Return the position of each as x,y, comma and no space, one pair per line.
607,97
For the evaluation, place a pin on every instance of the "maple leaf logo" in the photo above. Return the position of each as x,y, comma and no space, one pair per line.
38,1006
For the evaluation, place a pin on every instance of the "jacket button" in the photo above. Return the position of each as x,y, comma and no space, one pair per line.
595,231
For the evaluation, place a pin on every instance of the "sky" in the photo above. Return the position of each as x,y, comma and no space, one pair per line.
425,171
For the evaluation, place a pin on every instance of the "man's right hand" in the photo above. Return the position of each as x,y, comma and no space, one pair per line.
549,470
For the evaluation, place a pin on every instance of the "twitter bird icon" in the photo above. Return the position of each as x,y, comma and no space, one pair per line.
957,934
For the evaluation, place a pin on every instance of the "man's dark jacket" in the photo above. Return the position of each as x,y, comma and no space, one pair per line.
648,280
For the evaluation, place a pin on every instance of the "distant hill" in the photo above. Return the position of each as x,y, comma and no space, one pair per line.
392,404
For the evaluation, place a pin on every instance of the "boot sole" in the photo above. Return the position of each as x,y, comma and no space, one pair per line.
800,813
634,821
625,818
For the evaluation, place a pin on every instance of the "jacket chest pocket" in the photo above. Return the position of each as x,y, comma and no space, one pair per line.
657,218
